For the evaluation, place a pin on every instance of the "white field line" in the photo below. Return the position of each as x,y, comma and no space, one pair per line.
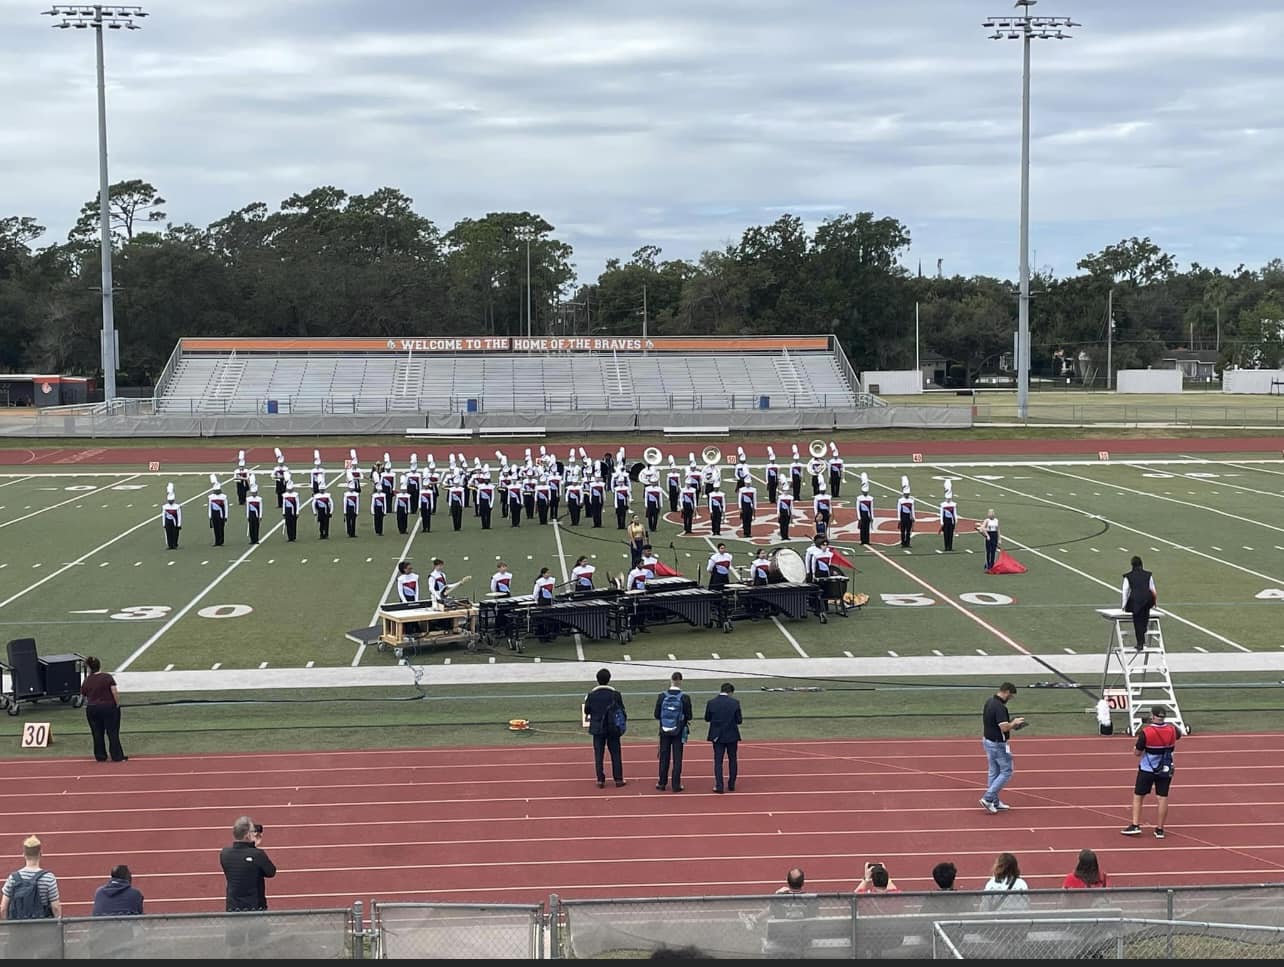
566,577
1238,465
142,649
774,618
10,483
89,554
1113,588
71,500
374,618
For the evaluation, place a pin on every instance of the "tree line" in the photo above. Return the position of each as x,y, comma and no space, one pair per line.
326,263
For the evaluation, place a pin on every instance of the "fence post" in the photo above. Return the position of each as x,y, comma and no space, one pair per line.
358,932
1172,896
554,932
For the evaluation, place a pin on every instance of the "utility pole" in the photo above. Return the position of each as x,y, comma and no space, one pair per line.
1110,335
99,16
1026,28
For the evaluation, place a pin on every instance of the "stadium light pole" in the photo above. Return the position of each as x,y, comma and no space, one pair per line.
526,233
1026,28
99,16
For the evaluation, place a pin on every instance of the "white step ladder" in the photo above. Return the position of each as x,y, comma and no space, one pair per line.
1143,671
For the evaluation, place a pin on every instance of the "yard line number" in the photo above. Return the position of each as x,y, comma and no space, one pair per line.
154,612
916,599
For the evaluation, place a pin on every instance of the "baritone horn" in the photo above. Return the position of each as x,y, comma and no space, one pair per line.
712,455
817,448
652,456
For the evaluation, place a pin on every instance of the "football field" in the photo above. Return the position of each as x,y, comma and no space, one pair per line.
85,569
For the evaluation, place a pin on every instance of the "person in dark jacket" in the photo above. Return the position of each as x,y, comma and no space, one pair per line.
246,867
118,897
723,715
598,705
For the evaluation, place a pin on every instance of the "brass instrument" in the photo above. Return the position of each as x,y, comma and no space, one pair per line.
817,448
712,455
652,456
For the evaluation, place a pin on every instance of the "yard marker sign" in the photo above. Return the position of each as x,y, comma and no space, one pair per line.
154,466
1103,454
917,457
36,735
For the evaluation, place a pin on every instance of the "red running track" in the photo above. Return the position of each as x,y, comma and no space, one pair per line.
517,824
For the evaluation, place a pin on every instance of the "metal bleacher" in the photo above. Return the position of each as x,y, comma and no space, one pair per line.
503,382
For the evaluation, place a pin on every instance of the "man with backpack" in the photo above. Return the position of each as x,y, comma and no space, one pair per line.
606,719
673,712
30,893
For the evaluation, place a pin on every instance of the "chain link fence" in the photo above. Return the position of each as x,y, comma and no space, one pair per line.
458,931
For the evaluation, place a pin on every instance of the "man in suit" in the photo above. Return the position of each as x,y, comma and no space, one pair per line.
598,706
724,718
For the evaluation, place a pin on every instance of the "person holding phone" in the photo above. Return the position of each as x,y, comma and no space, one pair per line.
246,867
997,725
877,880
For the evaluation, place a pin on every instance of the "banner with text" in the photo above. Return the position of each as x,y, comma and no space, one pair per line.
511,344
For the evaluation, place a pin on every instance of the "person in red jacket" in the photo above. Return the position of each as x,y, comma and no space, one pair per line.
1087,873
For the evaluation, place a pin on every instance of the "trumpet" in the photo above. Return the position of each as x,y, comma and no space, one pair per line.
817,448
712,455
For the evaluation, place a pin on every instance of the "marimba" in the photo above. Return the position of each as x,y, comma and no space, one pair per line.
792,599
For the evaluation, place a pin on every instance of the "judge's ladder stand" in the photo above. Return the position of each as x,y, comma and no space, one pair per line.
1141,677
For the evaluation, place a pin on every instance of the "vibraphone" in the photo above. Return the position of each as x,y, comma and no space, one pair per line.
591,617
793,599
698,607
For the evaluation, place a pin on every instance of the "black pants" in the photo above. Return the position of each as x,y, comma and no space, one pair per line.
746,523
171,536
323,526
795,480
865,521
456,516
815,485
554,505
542,507
595,512
574,507
242,488
528,504
670,749
771,491
835,482
291,526
653,517
947,530
715,521
687,515
254,523
104,726
907,528
635,553
414,496
515,514
403,520
1140,622
784,526
425,520
601,744
378,522
620,514
673,500
280,494
217,524
484,511
727,749
351,520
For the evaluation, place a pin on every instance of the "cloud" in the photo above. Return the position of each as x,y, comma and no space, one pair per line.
678,124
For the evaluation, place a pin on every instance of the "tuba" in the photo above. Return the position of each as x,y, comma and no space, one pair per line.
712,455
652,456
816,465
817,448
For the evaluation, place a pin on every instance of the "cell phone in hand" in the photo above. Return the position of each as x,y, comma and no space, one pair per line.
258,829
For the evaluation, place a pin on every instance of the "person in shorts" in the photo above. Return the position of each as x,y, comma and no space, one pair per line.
1154,749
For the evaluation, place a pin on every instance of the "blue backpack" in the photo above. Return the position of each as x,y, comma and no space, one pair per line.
671,711
24,897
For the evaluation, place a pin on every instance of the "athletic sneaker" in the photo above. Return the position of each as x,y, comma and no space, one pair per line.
1000,805
989,807
1131,830
1159,832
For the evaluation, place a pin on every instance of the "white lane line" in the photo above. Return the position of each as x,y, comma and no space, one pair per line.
178,616
69,500
387,589
169,667
216,666
566,577
1114,588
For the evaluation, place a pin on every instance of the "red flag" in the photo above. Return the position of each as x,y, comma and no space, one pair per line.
1005,563
663,570
837,558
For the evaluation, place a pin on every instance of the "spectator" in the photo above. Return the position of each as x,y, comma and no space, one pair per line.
794,880
1087,873
944,874
599,708
30,893
246,867
877,880
1005,881
118,897
673,712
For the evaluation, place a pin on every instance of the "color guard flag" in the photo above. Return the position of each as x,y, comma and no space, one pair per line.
837,558
1005,563
663,570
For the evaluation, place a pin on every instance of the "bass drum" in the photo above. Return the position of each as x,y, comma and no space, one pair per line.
786,566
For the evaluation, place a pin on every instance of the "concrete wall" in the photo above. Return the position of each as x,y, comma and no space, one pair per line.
892,382
1251,380
1148,380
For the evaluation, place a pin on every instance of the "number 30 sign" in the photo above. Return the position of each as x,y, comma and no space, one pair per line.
36,735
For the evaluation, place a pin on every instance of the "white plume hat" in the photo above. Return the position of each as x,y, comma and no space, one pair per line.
542,452
402,481
740,452
771,454
528,453
254,485
280,457
949,486
213,481
353,454
904,481
795,446
583,455
672,462
169,490
833,448
386,460
316,458
414,460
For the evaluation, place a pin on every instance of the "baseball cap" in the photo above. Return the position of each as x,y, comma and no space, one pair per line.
1158,711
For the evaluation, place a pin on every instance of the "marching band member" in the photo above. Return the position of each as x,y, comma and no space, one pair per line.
653,497
515,501
694,477
528,491
607,465
636,581
949,515
485,498
597,495
414,480
323,507
433,479
689,497
620,475
785,510
835,469
648,561
760,568
543,494
823,562
816,470
278,475
253,511
544,586
318,475
437,586
378,507
354,470
796,473
501,582
673,481
622,492
475,478
822,509
171,518
865,508
407,583
242,478
290,508
772,472
719,568
427,507
387,478
582,574
574,496
352,502
742,469
402,506
637,537
218,510
905,512
555,485
455,497
815,549
748,507
709,479
717,507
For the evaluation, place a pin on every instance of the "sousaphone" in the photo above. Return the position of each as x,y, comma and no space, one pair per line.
651,458
712,456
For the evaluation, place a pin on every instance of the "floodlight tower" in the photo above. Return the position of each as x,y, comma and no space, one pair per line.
1026,28
527,234
99,16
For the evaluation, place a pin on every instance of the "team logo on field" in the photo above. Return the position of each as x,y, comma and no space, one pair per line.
843,525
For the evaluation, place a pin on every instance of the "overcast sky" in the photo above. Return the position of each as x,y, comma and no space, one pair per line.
678,124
